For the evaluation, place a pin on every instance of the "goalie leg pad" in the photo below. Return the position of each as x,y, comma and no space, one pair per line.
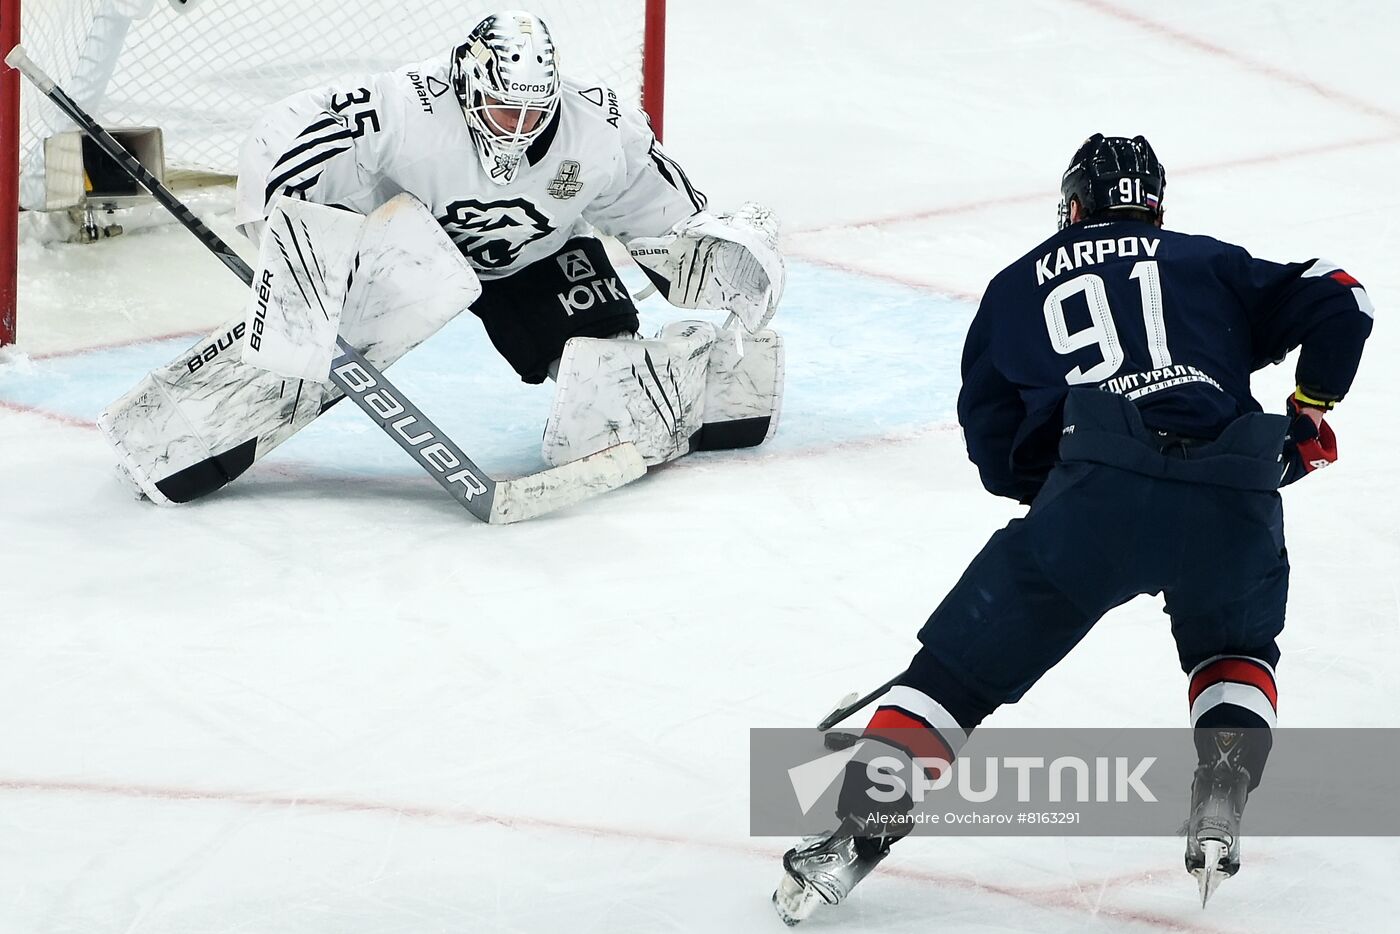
191,426
743,390
611,390
182,433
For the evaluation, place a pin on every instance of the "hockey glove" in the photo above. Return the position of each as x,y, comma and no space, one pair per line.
1308,446
729,262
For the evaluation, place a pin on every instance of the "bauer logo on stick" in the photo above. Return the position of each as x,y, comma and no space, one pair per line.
410,425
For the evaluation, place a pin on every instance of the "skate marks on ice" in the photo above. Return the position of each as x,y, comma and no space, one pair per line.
898,897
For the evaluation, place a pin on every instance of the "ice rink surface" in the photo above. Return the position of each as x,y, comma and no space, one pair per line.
326,700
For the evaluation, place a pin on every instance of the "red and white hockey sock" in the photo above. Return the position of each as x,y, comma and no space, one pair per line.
909,723
916,723
1225,687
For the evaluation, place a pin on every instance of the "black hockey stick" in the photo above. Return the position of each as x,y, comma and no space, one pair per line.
488,499
851,703
840,739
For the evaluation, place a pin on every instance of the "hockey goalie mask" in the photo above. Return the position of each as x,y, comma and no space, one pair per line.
508,86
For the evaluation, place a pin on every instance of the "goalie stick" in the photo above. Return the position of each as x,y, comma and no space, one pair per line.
486,498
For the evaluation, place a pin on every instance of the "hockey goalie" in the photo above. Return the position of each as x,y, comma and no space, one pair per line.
385,207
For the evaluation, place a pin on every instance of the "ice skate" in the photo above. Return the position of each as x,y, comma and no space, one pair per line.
1218,795
824,869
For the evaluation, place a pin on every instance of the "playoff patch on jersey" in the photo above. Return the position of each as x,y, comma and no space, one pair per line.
493,233
565,183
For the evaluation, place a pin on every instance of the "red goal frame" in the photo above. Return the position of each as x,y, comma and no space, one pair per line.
9,173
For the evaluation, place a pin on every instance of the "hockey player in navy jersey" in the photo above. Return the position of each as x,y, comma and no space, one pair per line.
1106,385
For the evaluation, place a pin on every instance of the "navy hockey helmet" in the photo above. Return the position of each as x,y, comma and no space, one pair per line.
1111,173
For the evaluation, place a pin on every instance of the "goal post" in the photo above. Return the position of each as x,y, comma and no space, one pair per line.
201,73
653,89
9,175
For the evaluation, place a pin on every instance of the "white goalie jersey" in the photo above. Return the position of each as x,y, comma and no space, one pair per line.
358,145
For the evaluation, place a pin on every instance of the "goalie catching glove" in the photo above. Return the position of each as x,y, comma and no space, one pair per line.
728,262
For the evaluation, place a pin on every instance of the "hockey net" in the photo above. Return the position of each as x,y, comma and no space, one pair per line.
202,71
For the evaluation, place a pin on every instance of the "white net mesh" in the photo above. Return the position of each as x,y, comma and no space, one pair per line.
203,74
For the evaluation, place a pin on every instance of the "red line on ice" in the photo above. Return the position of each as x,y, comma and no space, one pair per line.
61,419
926,285
972,207
1244,61
113,345
1066,898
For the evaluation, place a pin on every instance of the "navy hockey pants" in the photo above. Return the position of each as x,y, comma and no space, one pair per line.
1122,514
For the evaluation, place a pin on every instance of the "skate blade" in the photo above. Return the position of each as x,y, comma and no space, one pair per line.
793,901
1209,876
